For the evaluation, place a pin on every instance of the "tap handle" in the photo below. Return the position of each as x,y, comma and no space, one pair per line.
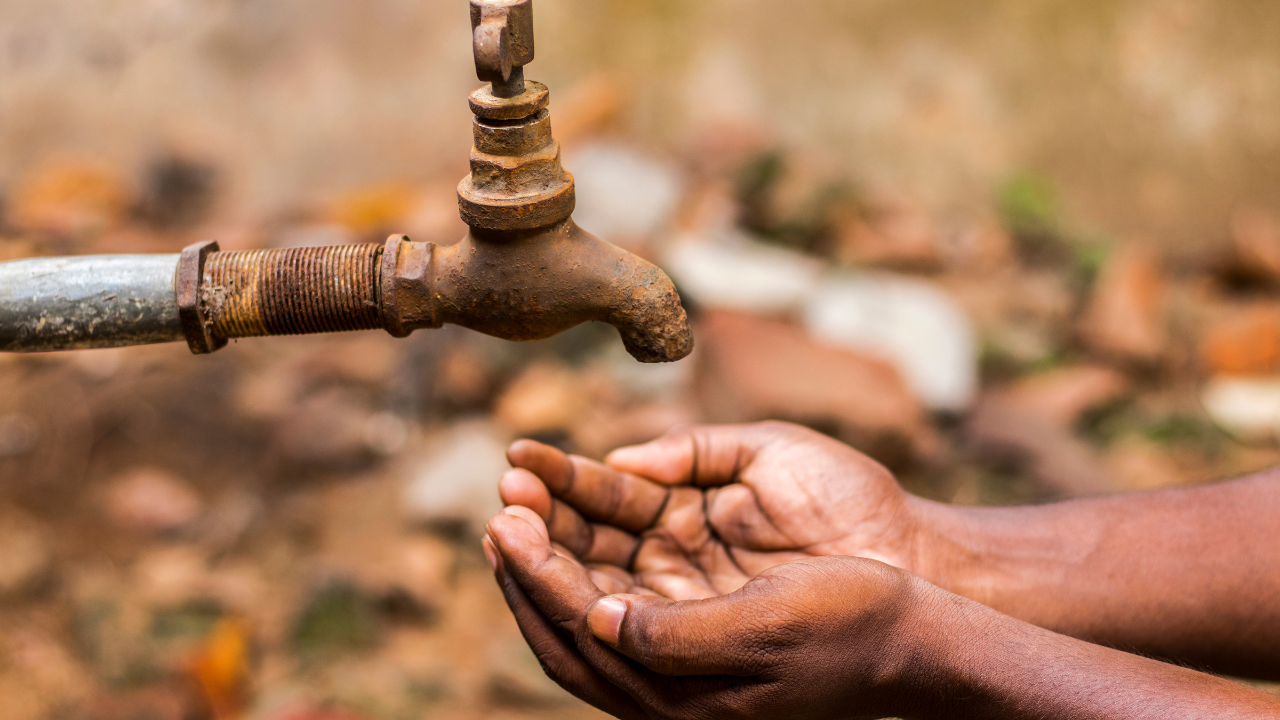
502,38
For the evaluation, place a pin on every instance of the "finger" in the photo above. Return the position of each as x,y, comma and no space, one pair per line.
699,455
597,492
611,579
564,524
530,517
717,636
560,660
561,592
591,541
521,487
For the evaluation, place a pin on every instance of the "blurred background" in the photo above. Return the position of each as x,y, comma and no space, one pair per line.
1017,251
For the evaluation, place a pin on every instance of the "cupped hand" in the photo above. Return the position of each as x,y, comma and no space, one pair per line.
834,637
702,510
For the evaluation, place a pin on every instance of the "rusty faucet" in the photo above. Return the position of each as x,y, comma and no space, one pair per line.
525,271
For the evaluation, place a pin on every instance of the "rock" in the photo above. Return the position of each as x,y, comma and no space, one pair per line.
894,233
623,196
915,326
752,369
1029,422
26,556
1248,408
1255,245
1245,341
1010,435
171,576
1126,317
152,500
1061,397
47,671
545,397
980,244
737,273
458,479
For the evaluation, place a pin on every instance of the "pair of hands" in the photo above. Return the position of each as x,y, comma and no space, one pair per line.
717,572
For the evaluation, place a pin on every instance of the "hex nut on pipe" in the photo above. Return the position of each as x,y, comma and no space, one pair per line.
190,310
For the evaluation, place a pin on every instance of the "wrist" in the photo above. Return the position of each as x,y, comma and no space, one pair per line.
944,547
935,640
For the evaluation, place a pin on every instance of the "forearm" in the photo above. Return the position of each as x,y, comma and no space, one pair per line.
991,665
1190,574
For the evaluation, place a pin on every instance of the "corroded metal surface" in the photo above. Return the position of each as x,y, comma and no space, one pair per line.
502,41
535,284
525,271
191,312
516,180
292,292
97,301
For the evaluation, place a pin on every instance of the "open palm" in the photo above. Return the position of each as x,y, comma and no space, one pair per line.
702,510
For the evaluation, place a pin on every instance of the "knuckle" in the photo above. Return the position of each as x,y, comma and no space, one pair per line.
549,658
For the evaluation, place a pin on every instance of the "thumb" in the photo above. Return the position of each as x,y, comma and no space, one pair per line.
691,637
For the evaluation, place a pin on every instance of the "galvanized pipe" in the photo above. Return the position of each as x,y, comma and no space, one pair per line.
77,303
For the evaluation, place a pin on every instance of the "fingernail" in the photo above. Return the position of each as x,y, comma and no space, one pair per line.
490,553
605,619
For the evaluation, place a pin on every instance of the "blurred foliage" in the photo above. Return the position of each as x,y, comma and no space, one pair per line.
1174,429
1028,205
810,226
336,621
189,621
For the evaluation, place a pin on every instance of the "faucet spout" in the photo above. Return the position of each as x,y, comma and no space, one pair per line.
530,285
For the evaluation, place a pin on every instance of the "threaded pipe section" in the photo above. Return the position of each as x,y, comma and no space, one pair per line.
298,291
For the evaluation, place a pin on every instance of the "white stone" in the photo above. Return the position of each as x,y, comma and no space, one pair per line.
458,480
737,273
622,194
908,322
1248,408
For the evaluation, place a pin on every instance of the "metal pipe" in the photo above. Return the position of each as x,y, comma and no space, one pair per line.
77,303
524,272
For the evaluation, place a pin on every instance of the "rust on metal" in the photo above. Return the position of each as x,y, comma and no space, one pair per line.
502,41
296,291
526,271
191,311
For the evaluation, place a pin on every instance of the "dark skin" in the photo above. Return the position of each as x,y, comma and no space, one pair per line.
768,571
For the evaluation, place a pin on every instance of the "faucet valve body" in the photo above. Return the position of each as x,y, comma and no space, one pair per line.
516,180
526,271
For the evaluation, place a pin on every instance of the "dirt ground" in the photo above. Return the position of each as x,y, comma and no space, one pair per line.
1069,210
